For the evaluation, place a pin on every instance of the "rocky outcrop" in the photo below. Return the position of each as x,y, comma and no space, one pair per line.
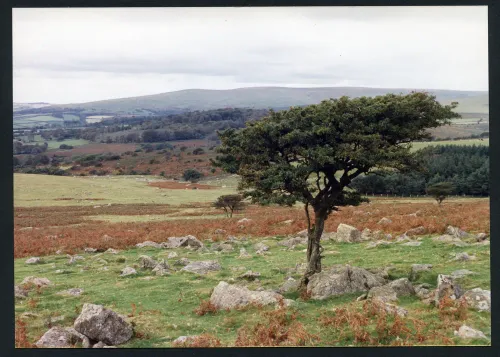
41,282
341,280
101,324
149,244
456,232
202,267
146,262
227,296
347,234
187,241
467,332
62,337
478,299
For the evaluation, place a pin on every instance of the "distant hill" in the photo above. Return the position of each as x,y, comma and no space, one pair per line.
262,98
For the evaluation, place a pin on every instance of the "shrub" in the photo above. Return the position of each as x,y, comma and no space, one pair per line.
192,175
198,151
229,203
65,147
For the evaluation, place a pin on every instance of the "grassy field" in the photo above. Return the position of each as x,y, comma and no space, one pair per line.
70,213
469,142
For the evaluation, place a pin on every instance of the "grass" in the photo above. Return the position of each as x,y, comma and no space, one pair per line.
54,144
164,308
468,142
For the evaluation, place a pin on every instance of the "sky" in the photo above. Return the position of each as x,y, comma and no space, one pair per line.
76,55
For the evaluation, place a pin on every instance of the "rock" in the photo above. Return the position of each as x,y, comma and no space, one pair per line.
162,268
460,244
367,234
172,255
244,220
261,247
187,241
59,252
111,251
383,293
249,275
478,299
468,333
71,292
148,243
458,274
481,237
382,272
20,292
362,297
74,258
288,286
146,262
202,267
288,221
446,238
244,254
416,269
402,287
128,271
377,243
384,221
341,280
101,344
418,231
456,232
402,238
463,257
41,282
34,260
289,243
423,292
222,247
446,286
226,296
101,324
219,231
412,244
62,337
302,234
347,234
90,250
183,339
182,262
102,261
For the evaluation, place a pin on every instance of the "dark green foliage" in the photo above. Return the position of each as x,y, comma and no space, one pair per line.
65,147
192,175
230,203
465,167
440,191
312,154
198,151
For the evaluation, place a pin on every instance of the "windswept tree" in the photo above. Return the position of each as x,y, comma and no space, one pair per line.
440,191
230,203
312,154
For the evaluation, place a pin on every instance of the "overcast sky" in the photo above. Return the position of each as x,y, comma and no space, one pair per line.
78,55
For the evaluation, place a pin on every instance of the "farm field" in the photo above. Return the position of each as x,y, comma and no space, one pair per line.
68,214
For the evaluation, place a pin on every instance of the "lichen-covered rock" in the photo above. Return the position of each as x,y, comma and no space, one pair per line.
261,247
101,324
249,275
187,241
149,244
128,271
20,292
458,274
402,287
447,287
172,255
74,258
244,254
111,251
202,267
456,232
384,293
478,299
222,247
467,332
340,280
372,245
244,220
90,250
182,262
289,285
293,241
62,337
146,262
161,268
481,237
347,234
464,257
226,296
42,282
417,269
418,231
446,238
34,260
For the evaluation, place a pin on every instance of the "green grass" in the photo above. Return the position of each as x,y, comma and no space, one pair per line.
53,144
165,304
41,190
468,142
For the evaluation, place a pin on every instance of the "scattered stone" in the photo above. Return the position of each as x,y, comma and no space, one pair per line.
261,247
340,280
183,339
128,271
446,286
382,272
418,231
182,262
412,244
302,233
458,274
402,287
149,244
219,231
456,232
446,238
71,292
478,299
59,252
226,296
468,332
289,243
347,234
90,250
383,293
463,257
74,258
146,262
62,337
222,247
417,269
367,234
481,237
288,286
41,282
244,220
172,255
34,260
249,275
101,324
202,267
20,293
187,241
384,220
162,268
111,251
244,254
423,292
393,309
377,243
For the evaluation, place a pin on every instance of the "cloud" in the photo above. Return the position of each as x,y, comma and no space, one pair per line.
62,55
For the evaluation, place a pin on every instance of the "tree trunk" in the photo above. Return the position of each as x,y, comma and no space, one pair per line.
314,248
